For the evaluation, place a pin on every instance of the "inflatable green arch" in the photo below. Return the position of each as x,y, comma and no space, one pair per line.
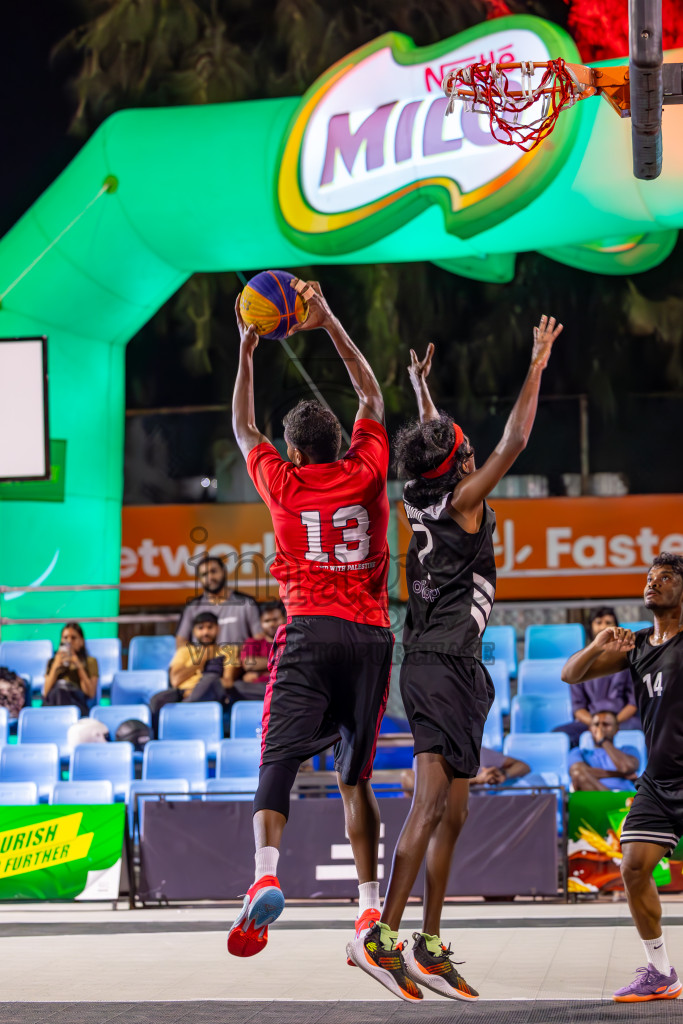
362,169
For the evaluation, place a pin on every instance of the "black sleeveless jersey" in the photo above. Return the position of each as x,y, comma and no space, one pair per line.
657,674
451,577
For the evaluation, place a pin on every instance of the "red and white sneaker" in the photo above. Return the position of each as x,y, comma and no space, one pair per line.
262,905
365,921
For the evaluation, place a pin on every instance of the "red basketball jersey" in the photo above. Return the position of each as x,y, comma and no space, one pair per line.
330,522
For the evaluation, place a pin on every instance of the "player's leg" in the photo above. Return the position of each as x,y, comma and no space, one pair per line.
648,834
429,961
294,728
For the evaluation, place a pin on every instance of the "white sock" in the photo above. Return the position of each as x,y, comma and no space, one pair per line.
368,896
266,861
655,950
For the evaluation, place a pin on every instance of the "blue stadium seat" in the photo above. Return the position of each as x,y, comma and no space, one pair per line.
239,758
27,658
16,793
493,729
554,640
539,714
112,715
245,720
624,738
107,651
90,791
141,791
635,626
541,677
137,687
47,725
504,641
4,726
543,752
193,721
498,671
175,759
393,757
113,761
392,724
231,788
31,762
151,652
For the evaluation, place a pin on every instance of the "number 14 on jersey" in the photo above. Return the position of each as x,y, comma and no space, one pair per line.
654,689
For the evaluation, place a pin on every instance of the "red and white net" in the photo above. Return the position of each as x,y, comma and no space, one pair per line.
487,88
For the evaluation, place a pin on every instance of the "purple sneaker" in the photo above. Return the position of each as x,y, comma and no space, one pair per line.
649,984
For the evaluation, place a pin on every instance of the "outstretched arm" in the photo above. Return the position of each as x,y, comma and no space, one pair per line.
371,403
473,488
603,657
418,371
244,426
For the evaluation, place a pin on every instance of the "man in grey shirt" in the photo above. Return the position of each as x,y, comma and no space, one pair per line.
238,614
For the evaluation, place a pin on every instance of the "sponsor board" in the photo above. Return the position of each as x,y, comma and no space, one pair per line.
370,147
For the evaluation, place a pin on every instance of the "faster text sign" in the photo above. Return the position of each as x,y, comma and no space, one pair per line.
578,547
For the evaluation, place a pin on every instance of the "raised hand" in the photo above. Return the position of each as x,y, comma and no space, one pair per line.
249,337
418,371
614,638
544,336
319,313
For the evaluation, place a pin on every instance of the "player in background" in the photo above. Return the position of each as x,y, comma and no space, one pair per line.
446,690
654,824
330,663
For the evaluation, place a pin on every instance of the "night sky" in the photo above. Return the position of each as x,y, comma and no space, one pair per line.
36,106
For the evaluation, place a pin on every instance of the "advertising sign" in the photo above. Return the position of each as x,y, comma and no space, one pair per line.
594,850
369,148
61,852
577,547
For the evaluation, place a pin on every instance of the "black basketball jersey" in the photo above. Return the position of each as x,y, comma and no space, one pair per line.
451,576
657,674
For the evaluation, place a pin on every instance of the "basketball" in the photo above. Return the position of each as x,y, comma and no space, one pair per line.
271,304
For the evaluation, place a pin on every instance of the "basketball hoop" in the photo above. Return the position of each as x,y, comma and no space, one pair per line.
486,88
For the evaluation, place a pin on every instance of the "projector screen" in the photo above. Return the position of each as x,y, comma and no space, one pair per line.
24,453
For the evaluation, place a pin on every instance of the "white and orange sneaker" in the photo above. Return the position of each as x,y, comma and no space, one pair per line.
365,921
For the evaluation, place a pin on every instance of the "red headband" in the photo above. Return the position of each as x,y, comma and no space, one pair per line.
444,466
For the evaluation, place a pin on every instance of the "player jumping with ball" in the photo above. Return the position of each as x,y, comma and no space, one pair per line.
330,666
446,690
654,824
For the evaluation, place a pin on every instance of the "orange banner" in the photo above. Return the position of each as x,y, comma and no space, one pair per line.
163,544
554,548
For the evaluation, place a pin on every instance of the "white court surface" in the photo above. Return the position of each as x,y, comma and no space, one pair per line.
523,950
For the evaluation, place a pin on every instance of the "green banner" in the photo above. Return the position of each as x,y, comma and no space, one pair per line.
594,849
61,853
40,490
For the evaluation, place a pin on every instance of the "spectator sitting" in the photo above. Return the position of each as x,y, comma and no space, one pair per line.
606,767
71,675
256,652
237,614
608,693
495,769
200,670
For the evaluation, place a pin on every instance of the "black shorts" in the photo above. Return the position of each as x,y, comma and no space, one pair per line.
329,683
656,815
447,700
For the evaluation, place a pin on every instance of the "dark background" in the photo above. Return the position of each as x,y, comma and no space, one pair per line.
623,339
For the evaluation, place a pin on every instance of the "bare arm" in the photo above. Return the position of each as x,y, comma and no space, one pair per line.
475,486
515,769
603,657
371,403
624,764
244,426
628,711
418,371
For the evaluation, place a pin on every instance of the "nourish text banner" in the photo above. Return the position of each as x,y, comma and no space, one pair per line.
577,547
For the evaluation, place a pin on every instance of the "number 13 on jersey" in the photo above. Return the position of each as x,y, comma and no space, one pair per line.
355,543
